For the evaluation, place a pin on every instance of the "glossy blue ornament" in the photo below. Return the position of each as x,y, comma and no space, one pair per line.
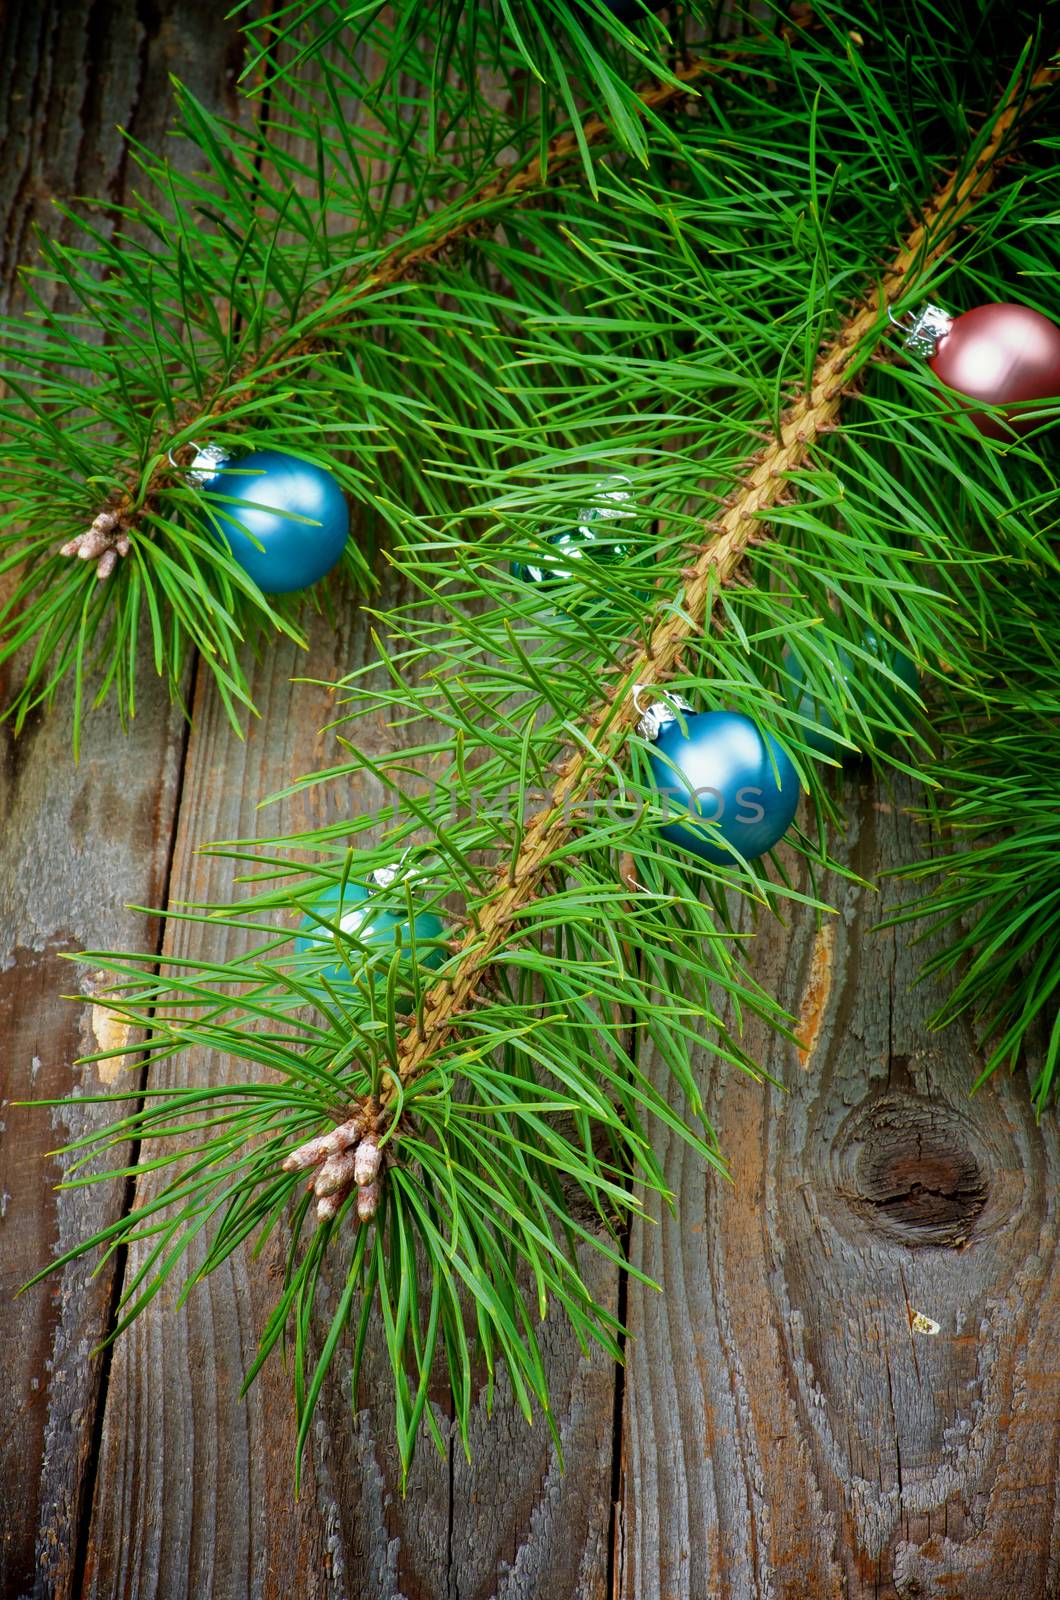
728,773
852,675
268,537
358,911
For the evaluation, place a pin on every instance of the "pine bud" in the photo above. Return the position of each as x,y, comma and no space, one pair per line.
324,1145
307,1155
345,1134
107,562
336,1173
367,1164
329,1208
367,1202
92,544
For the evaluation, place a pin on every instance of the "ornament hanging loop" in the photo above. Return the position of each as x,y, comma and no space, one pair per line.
904,323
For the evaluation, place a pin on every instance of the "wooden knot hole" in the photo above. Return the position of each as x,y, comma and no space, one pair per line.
917,1180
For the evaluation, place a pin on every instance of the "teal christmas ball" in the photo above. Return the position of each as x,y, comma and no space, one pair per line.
598,537
726,771
358,912
295,522
852,675
579,543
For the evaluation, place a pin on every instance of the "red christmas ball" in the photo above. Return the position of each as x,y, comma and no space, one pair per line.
1002,354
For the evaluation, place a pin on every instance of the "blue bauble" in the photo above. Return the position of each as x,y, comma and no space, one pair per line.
293,553
851,674
727,773
358,911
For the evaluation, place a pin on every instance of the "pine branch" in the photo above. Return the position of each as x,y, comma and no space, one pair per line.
399,263
763,487
646,327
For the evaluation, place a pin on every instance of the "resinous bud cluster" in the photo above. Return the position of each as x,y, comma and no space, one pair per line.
103,543
345,1159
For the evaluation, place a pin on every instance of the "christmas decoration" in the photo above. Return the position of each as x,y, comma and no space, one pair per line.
852,676
719,768
358,911
292,522
1007,355
590,538
299,303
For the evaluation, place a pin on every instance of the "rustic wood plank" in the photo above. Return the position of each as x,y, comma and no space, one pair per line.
77,843
788,1435
522,1525
194,1486
510,1523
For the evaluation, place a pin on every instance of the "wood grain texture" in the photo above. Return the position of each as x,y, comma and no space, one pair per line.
78,843
510,1523
785,1431
788,1434
193,1494
194,1487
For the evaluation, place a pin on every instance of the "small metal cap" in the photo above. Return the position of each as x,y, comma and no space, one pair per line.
654,718
610,498
923,333
396,872
208,462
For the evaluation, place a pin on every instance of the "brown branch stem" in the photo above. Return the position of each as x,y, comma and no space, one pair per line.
764,483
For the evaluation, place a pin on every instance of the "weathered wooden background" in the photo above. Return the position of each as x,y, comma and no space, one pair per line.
779,1432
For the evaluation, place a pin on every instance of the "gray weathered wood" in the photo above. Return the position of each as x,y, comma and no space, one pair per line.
509,1523
788,1434
786,1431
79,843
194,1486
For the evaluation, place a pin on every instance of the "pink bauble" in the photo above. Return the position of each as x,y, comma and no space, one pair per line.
1001,354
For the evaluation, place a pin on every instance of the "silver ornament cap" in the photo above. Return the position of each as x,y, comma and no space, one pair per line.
396,872
654,718
610,498
924,331
385,876
209,459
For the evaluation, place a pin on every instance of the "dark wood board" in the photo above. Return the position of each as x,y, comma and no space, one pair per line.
194,1486
788,1434
77,843
221,1522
